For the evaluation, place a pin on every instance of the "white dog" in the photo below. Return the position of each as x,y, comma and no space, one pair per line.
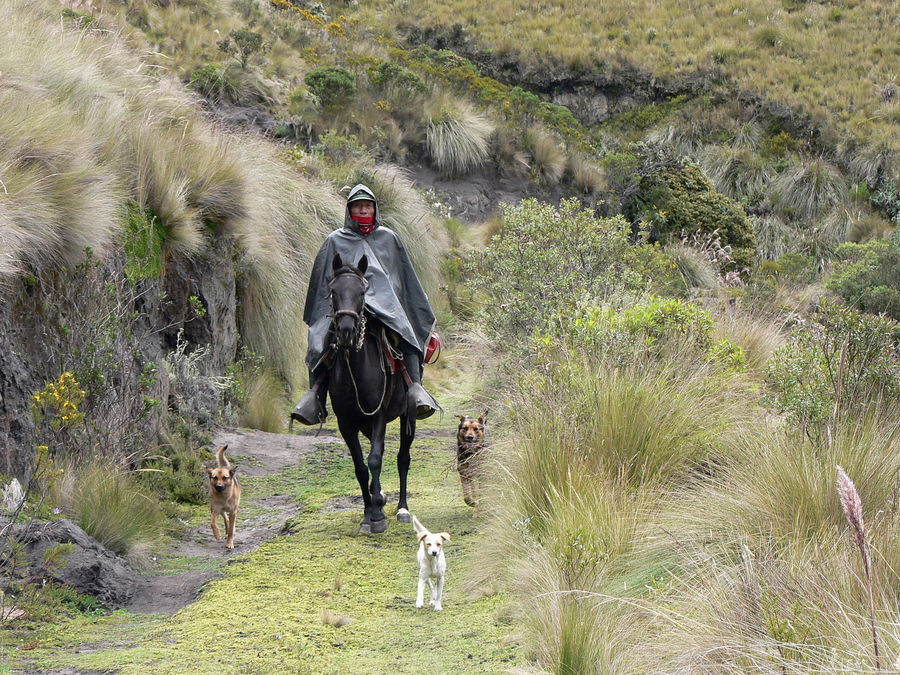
431,564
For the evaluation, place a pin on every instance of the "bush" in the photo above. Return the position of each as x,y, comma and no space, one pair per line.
867,276
651,327
339,147
332,84
676,199
807,373
545,260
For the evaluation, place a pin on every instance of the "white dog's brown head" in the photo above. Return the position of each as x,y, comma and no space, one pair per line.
433,543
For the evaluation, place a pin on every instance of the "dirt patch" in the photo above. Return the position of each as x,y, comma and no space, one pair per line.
353,503
256,453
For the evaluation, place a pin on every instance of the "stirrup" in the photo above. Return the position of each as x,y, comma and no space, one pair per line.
308,411
424,403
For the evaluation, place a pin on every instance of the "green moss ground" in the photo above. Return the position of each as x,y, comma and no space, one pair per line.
265,614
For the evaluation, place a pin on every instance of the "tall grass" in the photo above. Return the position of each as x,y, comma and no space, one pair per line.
784,487
457,136
548,155
108,504
810,189
84,130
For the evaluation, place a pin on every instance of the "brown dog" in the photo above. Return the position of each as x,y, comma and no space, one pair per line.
469,445
224,496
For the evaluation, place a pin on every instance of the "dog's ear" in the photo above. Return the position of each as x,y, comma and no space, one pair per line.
421,536
209,471
233,471
444,536
462,418
483,417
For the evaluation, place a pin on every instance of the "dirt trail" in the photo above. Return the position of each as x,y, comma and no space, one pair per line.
256,453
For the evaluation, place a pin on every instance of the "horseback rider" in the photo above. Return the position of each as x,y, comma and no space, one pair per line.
394,296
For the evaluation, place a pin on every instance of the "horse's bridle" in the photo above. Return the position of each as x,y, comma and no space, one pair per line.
359,318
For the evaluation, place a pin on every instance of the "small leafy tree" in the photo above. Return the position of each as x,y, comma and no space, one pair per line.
242,44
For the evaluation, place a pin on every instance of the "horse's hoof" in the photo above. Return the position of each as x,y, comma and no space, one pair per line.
365,527
403,516
378,526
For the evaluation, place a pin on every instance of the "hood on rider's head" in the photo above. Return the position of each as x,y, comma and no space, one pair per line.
358,193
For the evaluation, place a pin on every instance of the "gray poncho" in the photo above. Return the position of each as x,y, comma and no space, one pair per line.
395,295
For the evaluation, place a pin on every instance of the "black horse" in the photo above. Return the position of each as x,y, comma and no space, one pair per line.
365,393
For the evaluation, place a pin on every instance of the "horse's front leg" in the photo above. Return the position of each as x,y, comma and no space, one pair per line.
376,454
351,438
407,434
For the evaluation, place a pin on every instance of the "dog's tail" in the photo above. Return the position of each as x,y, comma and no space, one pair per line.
417,526
221,458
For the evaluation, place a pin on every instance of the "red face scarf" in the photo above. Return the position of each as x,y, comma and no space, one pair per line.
366,223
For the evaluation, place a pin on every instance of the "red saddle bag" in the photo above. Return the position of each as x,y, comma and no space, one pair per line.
433,350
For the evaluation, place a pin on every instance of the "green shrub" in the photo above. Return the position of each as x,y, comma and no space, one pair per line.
651,327
339,147
807,375
396,81
334,86
545,260
867,276
677,200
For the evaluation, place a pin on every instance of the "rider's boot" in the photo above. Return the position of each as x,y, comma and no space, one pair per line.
312,409
418,398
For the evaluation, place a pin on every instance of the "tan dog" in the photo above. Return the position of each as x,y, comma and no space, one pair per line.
469,445
432,564
224,496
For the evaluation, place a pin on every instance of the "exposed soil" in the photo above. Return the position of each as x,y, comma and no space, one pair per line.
256,453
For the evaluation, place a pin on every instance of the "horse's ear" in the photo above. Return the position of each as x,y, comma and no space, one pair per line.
363,264
336,262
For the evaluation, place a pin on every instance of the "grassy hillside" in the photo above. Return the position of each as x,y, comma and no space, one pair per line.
834,62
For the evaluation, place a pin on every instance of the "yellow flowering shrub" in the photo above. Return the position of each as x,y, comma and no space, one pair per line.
59,403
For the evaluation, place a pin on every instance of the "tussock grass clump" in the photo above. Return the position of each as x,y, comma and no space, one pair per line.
758,337
107,504
695,268
587,176
737,172
456,135
784,487
549,156
774,236
810,189
265,402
